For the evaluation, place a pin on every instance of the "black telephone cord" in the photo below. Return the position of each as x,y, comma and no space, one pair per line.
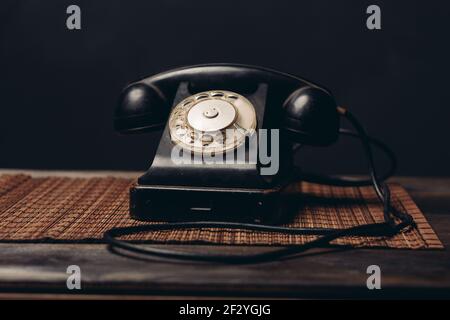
354,182
387,228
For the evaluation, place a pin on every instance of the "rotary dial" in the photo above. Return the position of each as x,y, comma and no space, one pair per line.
212,121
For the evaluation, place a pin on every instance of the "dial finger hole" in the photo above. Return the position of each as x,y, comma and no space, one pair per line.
186,103
201,96
207,139
217,94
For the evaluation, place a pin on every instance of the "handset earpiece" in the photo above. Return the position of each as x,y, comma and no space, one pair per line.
311,117
141,108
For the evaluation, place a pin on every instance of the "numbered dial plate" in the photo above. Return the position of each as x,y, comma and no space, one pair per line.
212,121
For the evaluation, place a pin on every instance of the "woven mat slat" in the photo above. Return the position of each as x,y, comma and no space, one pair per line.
62,209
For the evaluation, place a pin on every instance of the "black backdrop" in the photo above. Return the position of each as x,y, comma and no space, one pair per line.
59,87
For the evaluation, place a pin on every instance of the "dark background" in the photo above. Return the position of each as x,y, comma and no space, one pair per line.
59,88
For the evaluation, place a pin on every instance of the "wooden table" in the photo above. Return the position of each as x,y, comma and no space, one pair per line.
39,270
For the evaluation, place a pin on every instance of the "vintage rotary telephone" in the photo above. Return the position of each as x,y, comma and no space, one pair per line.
214,109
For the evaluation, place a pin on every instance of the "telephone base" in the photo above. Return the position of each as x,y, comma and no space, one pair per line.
182,203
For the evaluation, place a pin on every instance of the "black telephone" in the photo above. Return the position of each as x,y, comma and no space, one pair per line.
218,110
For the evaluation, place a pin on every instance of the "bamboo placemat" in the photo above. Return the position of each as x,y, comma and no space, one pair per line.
62,209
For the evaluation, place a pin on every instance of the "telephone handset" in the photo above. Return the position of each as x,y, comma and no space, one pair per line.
212,113
306,110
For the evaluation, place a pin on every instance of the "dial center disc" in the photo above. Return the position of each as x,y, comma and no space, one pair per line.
211,115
